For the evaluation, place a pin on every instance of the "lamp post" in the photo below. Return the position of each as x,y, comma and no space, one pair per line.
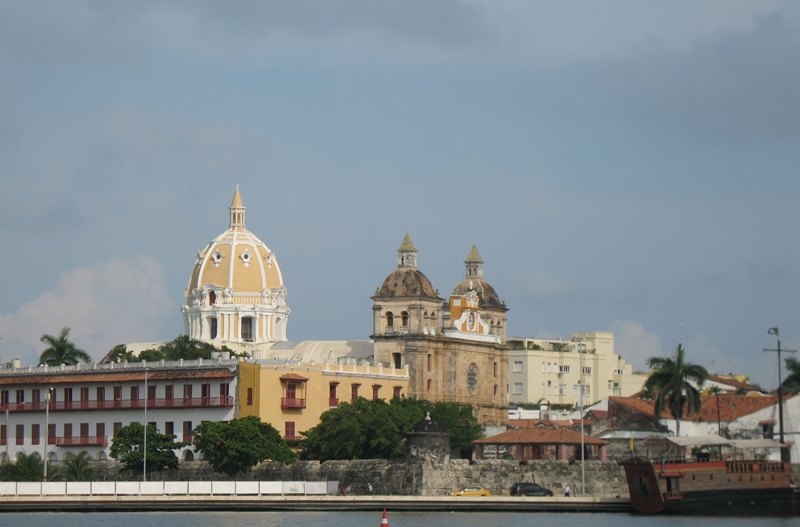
144,445
46,428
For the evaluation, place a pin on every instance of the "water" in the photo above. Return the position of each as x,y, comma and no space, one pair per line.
373,519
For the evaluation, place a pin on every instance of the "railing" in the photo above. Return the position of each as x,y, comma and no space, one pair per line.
81,441
122,404
168,488
287,402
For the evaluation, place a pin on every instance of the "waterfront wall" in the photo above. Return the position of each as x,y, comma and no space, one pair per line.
603,479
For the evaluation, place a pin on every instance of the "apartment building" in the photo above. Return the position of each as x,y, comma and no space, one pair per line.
557,371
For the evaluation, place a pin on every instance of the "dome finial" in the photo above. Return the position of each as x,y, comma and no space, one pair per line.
237,209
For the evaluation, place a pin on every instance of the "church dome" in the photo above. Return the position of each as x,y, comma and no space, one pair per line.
236,260
407,280
475,282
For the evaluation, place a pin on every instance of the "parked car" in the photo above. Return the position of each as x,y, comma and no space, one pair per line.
471,491
529,489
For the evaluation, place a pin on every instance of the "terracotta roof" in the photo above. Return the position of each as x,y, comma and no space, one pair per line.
114,376
730,406
540,436
729,381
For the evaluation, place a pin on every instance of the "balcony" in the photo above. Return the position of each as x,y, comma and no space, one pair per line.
122,404
292,403
80,441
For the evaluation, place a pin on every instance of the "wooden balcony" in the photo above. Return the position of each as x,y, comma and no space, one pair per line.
80,441
122,404
294,403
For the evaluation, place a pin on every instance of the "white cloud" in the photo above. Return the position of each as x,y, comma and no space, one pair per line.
113,302
634,343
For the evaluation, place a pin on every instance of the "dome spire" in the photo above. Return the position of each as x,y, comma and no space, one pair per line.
407,253
474,264
237,210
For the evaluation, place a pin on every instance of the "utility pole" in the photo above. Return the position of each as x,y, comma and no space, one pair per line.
775,331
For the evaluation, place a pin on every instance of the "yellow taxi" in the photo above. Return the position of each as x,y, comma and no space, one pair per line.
471,491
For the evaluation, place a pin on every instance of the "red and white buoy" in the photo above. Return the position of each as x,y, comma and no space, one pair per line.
384,521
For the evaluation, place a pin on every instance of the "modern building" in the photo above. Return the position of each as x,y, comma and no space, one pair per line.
55,410
556,371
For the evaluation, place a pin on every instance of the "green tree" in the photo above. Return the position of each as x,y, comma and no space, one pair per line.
61,351
240,444
119,353
25,468
127,447
460,423
186,348
77,467
675,383
151,355
792,382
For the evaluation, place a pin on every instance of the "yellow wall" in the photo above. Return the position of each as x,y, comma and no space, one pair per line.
269,389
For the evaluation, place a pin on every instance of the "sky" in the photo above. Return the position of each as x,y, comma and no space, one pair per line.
621,166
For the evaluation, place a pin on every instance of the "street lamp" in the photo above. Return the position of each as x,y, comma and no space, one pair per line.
144,446
581,345
46,428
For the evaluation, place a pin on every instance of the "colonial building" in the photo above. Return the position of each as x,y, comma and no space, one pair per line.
236,291
54,410
292,396
455,350
556,371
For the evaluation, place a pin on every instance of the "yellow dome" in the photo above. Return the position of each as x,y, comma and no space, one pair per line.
236,261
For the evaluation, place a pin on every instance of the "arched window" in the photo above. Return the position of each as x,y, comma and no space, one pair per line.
404,316
389,319
212,298
430,384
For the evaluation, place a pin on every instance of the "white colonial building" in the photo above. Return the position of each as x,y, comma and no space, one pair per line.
54,410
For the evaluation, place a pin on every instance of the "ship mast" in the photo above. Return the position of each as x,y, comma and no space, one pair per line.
775,331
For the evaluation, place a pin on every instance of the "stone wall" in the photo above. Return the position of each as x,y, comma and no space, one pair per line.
603,479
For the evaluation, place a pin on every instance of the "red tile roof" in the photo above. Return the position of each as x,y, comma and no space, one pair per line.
730,406
540,436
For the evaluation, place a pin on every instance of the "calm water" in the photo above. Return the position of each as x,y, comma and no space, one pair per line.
369,519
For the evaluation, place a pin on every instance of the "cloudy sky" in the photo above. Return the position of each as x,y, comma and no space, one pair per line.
621,166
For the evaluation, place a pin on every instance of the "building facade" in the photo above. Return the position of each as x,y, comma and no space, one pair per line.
292,396
556,371
55,410
455,351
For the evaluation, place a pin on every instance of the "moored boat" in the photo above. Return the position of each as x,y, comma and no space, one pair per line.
721,477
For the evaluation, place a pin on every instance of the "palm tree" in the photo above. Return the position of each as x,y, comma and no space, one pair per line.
676,383
716,390
77,467
62,351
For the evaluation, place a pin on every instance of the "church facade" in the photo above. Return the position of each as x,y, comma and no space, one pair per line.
454,349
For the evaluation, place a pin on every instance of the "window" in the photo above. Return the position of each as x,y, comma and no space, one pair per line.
3,435
116,428
169,393
430,385
213,325
84,396
354,391
187,431
586,370
397,358
67,397
205,391
518,366
51,434
249,397
247,328
4,397
35,433
517,388
494,369
562,389
389,319
117,396
20,396
376,388
574,389
151,394
67,430
36,396
618,372
101,396
333,398
20,434
169,428
134,395
224,391
430,361
563,369
187,391
404,318
84,430
397,391
289,430
100,431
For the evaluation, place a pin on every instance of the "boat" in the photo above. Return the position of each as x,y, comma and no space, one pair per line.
717,479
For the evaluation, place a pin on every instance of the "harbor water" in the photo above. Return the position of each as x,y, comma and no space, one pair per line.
373,519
